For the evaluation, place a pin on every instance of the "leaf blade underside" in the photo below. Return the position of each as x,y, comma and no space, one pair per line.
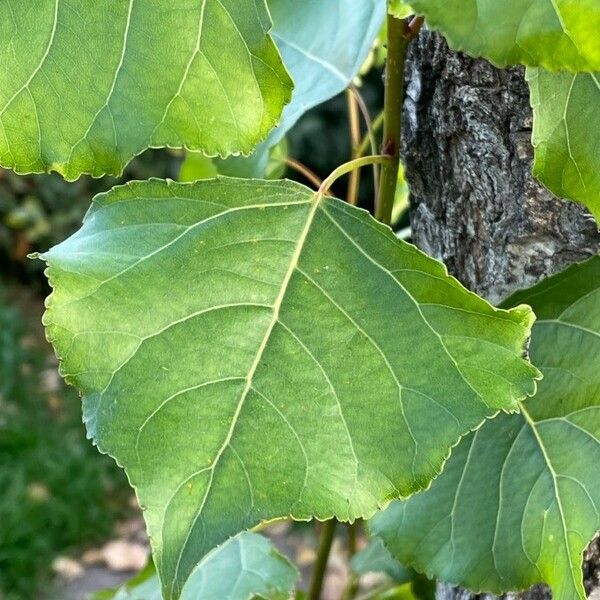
228,334
323,46
244,567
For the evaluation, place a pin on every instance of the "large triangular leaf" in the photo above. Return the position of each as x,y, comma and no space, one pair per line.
245,567
84,88
323,46
566,134
518,500
250,350
555,34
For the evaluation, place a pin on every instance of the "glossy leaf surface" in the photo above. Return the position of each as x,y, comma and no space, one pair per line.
250,350
518,500
85,86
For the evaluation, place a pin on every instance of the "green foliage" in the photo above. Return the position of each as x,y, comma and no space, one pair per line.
245,567
407,583
39,211
270,164
250,350
313,38
92,87
566,134
400,9
517,502
555,34
323,46
551,35
220,334
55,486
376,558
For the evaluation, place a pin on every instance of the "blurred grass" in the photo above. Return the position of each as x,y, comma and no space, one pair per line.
57,492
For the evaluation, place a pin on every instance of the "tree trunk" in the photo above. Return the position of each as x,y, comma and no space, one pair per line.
474,202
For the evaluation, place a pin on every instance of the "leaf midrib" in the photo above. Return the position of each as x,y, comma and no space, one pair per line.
294,260
533,426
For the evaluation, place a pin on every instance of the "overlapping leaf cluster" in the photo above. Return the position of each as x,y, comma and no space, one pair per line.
252,350
519,499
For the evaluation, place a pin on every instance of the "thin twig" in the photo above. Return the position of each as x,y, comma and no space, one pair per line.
354,122
320,568
301,168
370,135
351,588
366,141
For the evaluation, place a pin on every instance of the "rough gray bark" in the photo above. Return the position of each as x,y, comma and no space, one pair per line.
474,203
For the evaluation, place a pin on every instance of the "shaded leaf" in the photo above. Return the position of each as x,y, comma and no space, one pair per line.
232,338
323,45
376,558
86,87
555,34
196,166
566,134
518,500
245,567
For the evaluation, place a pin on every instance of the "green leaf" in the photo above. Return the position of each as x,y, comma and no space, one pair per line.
376,558
266,163
84,89
233,338
566,133
518,500
555,34
400,9
323,45
246,566
196,166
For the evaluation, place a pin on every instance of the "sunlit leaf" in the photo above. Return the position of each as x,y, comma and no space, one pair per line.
566,134
555,34
400,9
86,86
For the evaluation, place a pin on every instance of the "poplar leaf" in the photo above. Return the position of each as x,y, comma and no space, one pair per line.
250,350
518,500
86,86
